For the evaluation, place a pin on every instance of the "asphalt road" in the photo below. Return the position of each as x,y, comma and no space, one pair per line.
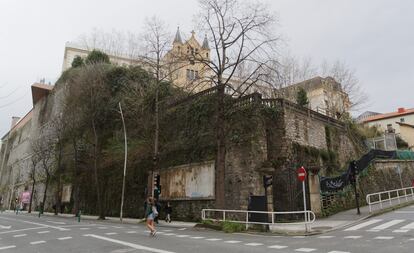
389,233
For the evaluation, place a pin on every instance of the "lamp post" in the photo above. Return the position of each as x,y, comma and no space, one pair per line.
125,162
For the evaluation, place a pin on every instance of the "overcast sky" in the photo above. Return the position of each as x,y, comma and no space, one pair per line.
374,37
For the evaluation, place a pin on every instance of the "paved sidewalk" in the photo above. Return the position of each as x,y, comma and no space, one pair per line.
341,219
162,223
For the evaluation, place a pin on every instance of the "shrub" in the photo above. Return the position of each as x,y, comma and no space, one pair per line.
231,227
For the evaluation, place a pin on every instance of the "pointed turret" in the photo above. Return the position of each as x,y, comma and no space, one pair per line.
177,38
205,43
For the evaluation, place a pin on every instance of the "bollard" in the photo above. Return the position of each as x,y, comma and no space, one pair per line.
79,215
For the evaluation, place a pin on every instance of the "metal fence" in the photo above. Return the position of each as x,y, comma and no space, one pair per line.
387,197
243,216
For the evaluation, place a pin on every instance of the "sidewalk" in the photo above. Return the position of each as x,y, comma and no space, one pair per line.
116,220
341,219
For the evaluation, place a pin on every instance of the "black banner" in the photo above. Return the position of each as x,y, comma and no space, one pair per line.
329,184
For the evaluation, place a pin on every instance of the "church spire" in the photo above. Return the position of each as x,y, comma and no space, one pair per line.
177,38
205,43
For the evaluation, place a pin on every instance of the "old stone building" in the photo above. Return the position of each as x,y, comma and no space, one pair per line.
182,64
325,95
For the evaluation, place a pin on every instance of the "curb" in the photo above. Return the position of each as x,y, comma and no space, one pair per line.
113,220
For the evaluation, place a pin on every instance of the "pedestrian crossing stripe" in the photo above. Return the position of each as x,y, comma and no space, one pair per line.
409,226
364,224
388,224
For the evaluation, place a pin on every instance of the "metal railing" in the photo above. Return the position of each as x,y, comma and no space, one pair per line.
389,196
223,215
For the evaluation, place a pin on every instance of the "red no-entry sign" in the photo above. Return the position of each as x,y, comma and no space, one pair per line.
301,174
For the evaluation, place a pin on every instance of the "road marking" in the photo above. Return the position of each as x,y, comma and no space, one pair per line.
213,239
35,223
326,236
160,232
5,227
353,237
131,245
43,232
277,247
384,237
85,228
170,234
37,242
364,224
111,233
56,222
117,227
182,229
409,226
20,230
254,244
412,239
102,227
232,242
335,251
64,238
400,231
305,250
197,237
299,237
21,235
131,232
167,230
387,224
182,236
8,247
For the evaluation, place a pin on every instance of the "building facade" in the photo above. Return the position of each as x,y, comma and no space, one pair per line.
401,122
325,95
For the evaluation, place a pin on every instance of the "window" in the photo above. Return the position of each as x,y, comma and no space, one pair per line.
402,120
191,74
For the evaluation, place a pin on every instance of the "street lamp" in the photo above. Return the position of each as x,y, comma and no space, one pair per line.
125,162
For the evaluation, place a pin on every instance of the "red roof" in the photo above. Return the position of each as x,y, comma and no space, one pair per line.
399,113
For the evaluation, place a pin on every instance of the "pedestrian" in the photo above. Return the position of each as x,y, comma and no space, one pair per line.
16,205
158,207
150,214
168,211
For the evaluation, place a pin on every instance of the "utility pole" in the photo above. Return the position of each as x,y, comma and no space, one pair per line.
125,162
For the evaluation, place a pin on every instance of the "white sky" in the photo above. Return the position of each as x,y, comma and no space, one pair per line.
374,37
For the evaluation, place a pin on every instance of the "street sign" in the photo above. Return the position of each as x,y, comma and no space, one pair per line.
301,174
301,177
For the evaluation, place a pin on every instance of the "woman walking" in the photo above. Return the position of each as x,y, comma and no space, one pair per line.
168,211
150,214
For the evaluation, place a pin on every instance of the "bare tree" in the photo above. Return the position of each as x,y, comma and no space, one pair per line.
43,150
241,33
349,81
33,176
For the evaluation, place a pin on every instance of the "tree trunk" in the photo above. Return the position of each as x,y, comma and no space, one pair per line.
59,181
221,150
44,193
76,184
95,170
156,140
31,195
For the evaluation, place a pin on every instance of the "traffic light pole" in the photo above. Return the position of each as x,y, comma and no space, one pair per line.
356,196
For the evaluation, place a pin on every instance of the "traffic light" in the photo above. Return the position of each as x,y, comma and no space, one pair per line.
157,186
353,172
157,180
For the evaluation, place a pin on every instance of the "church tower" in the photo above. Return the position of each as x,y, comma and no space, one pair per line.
187,68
